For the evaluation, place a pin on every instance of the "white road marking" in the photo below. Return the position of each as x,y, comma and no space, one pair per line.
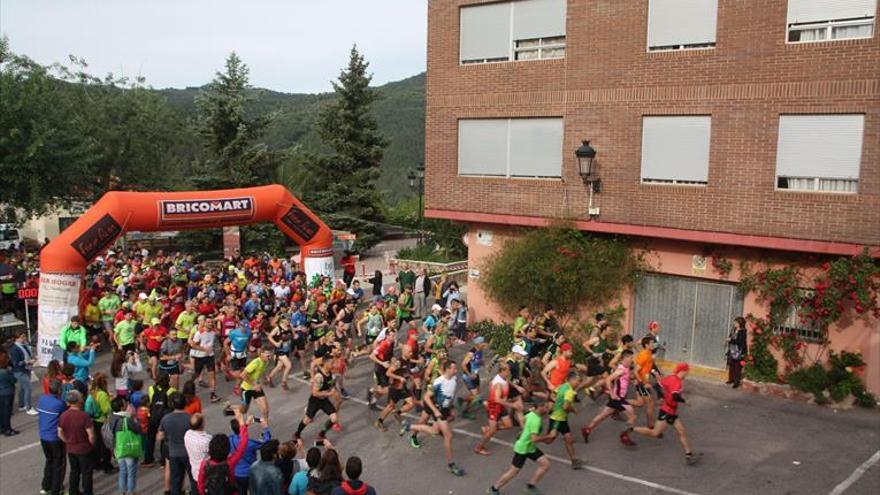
874,459
19,449
604,472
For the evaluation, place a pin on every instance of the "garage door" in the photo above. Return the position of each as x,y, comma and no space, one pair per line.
695,316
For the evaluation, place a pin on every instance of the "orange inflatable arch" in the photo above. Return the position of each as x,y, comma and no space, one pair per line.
63,261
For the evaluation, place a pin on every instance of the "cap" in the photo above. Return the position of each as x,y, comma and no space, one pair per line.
681,367
654,325
155,321
565,347
142,296
436,307
412,331
518,349
479,340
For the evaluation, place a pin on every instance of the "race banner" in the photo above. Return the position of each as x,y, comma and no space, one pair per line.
57,301
318,266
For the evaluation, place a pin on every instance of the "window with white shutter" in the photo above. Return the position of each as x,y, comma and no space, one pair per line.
522,147
681,24
827,20
519,30
675,150
819,152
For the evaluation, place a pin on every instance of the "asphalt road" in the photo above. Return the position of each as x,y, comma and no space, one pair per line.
751,444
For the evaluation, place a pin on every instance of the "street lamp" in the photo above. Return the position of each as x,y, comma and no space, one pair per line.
586,156
417,179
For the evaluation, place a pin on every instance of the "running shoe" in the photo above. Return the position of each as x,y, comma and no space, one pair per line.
380,426
270,382
336,427
577,464
481,451
344,393
203,384
594,394
692,458
492,491
469,415
455,469
585,432
626,440
414,442
214,398
32,412
284,386
404,427
533,490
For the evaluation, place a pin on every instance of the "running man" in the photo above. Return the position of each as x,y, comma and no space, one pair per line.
617,385
252,384
282,338
323,389
644,361
562,408
381,355
236,346
499,408
398,394
470,367
439,399
201,349
525,448
672,386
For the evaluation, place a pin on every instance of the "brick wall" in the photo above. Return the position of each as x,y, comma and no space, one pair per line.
608,81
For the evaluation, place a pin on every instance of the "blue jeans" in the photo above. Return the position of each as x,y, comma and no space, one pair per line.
179,471
24,389
128,472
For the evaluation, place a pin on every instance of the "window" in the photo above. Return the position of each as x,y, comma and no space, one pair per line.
819,152
824,20
675,150
520,30
795,323
681,24
510,147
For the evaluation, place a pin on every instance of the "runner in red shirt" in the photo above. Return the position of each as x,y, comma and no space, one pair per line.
498,407
672,396
151,340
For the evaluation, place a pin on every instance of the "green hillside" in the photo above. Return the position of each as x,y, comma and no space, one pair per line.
400,112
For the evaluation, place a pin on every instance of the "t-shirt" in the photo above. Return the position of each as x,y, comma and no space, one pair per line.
184,323
524,444
671,385
153,337
75,423
355,486
124,331
444,391
170,348
254,372
147,311
644,364
203,339
108,305
49,409
564,395
175,426
238,339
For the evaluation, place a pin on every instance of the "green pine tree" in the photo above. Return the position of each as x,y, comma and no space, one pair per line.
342,185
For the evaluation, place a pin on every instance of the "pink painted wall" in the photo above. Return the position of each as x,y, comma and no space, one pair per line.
677,258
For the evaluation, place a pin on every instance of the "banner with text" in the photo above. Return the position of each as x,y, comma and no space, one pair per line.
57,302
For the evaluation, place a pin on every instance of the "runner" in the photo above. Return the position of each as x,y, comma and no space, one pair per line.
252,384
282,338
151,341
439,398
299,321
644,361
617,384
563,407
525,448
398,395
236,348
470,367
171,354
557,370
369,326
672,389
319,400
381,355
499,408
201,345
599,354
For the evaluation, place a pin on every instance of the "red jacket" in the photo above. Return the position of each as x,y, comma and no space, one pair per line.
231,461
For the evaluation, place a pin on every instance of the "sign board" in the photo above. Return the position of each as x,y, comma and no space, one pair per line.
58,300
28,293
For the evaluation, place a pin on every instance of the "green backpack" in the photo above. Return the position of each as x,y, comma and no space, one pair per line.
128,443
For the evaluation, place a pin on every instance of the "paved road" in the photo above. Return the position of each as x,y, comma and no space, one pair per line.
752,444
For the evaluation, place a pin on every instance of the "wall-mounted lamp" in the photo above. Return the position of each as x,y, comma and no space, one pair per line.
586,156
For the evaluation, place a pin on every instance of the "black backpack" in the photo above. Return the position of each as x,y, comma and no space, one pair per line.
159,406
217,479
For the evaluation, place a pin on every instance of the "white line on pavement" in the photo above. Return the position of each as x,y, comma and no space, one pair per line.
19,449
605,472
856,474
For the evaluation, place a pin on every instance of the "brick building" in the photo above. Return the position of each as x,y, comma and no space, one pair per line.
749,128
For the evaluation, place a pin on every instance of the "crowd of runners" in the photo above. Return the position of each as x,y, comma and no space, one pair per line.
175,326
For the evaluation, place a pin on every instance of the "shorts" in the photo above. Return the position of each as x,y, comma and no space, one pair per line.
398,394
618,405
203,363
108,325
561,427
642,390
315,404
445,413
237,363
595,367
129,347
173,369
248,395
519,460
471,383
282,352
669,418
495,411
153,354
298,344
381,376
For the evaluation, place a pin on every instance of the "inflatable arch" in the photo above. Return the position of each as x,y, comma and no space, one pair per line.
63,261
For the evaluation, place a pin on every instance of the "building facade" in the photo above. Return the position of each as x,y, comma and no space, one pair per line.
749,128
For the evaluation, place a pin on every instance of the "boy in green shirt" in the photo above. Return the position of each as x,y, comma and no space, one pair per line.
124,333
108,305
562,408
525,448
252,384
72,332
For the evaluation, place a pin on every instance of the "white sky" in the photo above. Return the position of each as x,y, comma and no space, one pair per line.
294,45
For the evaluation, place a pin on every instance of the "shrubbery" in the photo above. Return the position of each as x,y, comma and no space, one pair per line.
836,383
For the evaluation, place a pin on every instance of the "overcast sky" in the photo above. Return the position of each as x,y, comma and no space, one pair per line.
289,45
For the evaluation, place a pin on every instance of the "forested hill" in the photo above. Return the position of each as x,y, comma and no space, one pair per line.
400,112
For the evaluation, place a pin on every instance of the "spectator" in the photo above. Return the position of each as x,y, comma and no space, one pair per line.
242,469
76,431
737,349
405,278
157,396
53,372
216,474
98,408
265,477
122,421
299,485
22,362
49,410
193,403
196,441
353,486
376,281
72,332
7,395
329,474
172,429
348,267
82,358
287,463
124,365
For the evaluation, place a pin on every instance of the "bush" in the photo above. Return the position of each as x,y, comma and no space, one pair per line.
813,380
427,253
839,380
499,336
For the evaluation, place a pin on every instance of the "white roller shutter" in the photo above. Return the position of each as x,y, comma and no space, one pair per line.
536,147
676,148
825,146
482,147
538,19
485,32
801,11
681,22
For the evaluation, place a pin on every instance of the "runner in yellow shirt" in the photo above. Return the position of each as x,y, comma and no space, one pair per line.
252,384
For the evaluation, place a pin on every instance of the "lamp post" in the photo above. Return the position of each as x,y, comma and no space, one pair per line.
586,156
417,179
